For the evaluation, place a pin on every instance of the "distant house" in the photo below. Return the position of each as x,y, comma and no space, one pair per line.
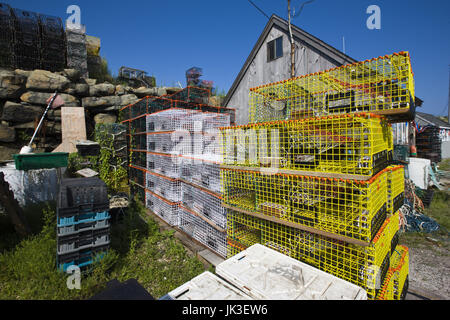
270,61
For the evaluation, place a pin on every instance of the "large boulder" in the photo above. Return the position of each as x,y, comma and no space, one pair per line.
104,118
93,102
16,112
24,73
128,99
120,90
91,82
43,80
42,97
77,89
142,92
26,125
11,84
54,114
53,128
102,89
7,134
7,151
72,74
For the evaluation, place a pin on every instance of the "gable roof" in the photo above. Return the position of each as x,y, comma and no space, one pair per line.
430,119
336,56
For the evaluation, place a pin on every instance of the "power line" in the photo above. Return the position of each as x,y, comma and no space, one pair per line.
258,9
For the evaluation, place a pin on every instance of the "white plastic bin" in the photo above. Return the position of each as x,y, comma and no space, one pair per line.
264,273
207,286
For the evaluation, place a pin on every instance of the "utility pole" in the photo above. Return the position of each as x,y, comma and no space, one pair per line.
448,102
292,41
290,32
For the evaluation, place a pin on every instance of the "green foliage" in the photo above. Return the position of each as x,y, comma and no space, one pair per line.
444,165
77,162
440,208
103,74
156,259
29,270
138,250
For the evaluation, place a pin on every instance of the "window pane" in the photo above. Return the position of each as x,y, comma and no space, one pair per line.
270,50
279,47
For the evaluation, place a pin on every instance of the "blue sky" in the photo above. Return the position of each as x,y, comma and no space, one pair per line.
167,37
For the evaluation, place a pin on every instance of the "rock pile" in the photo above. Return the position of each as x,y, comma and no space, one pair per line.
23,96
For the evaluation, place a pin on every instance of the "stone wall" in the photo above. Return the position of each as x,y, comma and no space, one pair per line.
23,96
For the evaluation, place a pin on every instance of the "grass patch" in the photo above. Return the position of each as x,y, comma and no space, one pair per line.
440,208
138,250
444,165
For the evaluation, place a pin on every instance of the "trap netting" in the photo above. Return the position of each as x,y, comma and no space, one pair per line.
383,85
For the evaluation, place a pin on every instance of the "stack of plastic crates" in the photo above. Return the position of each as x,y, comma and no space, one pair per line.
76,48
310,176
174,161
53,43
27,44
83,222
6,36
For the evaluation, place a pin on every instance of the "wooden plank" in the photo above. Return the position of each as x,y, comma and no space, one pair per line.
269,170
391,111
73,127
208,221
298,226
217,195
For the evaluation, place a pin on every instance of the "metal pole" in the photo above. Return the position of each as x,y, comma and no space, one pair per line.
42,118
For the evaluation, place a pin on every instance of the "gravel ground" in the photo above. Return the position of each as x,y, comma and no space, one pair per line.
429,269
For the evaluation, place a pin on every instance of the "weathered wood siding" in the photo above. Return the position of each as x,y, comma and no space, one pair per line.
262,72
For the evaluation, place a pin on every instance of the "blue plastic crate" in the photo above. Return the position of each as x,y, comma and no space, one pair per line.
83,226
82,262
82,218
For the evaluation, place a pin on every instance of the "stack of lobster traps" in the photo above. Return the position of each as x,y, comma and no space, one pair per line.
175,162
311,175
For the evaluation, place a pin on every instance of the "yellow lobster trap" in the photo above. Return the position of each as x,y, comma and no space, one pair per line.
355,209
357,145
365,266
396,283
396,188
383,85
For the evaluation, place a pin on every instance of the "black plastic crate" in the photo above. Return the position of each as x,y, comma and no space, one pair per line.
83,240
51,26
26,21
88,149
79,195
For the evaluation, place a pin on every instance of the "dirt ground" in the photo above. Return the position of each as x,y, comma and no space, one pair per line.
429,270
